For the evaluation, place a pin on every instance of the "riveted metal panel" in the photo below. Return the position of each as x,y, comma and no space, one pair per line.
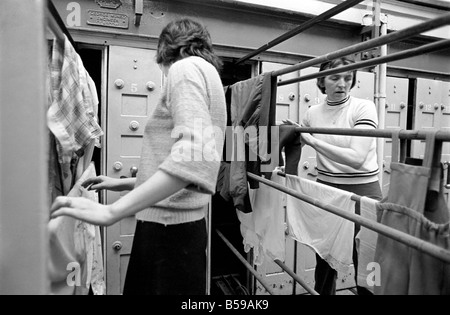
134,89
427,111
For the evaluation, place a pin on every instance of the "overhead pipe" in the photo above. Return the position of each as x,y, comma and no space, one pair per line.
440,45
443,20
300,29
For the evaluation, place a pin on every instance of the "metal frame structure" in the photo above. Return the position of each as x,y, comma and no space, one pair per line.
380,40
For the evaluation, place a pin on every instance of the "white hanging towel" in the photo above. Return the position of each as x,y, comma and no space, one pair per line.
263,230
329,235
75,262
366,243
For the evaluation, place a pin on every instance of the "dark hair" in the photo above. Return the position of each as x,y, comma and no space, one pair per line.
344,61
184,38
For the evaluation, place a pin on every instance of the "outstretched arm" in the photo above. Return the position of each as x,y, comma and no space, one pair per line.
159,187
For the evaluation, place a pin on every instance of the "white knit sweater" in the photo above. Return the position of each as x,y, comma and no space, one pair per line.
184,138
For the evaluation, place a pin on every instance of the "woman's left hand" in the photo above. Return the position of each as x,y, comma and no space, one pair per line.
82,209
308,139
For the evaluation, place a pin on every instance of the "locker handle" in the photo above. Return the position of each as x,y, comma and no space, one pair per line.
134,170
447,186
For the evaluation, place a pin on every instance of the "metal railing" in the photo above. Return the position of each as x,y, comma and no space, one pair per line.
384,40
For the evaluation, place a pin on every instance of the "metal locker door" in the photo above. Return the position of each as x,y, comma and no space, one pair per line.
365,86
396,118
445,125
134,86
427,111
287,108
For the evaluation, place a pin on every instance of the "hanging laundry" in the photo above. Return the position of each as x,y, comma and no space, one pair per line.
75,261
403,269
252,106
366,244
415,205
67,117
263,230
291,144
329,235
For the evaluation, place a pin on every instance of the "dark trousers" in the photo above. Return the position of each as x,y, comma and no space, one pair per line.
325,276
168,260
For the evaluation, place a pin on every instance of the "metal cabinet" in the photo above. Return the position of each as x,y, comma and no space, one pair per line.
134,87
427,115
432,112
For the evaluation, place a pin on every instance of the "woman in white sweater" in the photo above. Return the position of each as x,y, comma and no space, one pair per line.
180,160
347,163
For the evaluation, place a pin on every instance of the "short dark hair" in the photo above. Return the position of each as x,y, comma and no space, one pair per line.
184,38
344,61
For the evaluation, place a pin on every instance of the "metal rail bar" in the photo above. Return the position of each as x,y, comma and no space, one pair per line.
245,262
443,44
379,133
300,29
435,4
387,39
295,277
399,236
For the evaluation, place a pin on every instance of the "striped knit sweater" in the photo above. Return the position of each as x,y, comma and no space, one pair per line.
184,138
349,114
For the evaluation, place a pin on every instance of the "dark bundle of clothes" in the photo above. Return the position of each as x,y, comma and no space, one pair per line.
253,142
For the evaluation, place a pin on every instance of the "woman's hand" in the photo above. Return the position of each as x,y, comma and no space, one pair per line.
107,183
306,138
82,209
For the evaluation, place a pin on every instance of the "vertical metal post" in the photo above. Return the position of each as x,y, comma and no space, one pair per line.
382,93
208,252
23,134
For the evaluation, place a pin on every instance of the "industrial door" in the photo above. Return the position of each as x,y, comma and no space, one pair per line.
134,86
397,90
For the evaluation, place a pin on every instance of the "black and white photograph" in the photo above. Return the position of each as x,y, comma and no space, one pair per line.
232,155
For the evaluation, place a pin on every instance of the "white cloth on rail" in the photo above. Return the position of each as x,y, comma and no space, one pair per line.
329,235
366,243
263,230
76,262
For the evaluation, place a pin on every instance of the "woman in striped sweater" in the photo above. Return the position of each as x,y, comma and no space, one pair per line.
347,163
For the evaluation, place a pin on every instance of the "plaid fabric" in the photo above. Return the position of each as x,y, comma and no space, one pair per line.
67,117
